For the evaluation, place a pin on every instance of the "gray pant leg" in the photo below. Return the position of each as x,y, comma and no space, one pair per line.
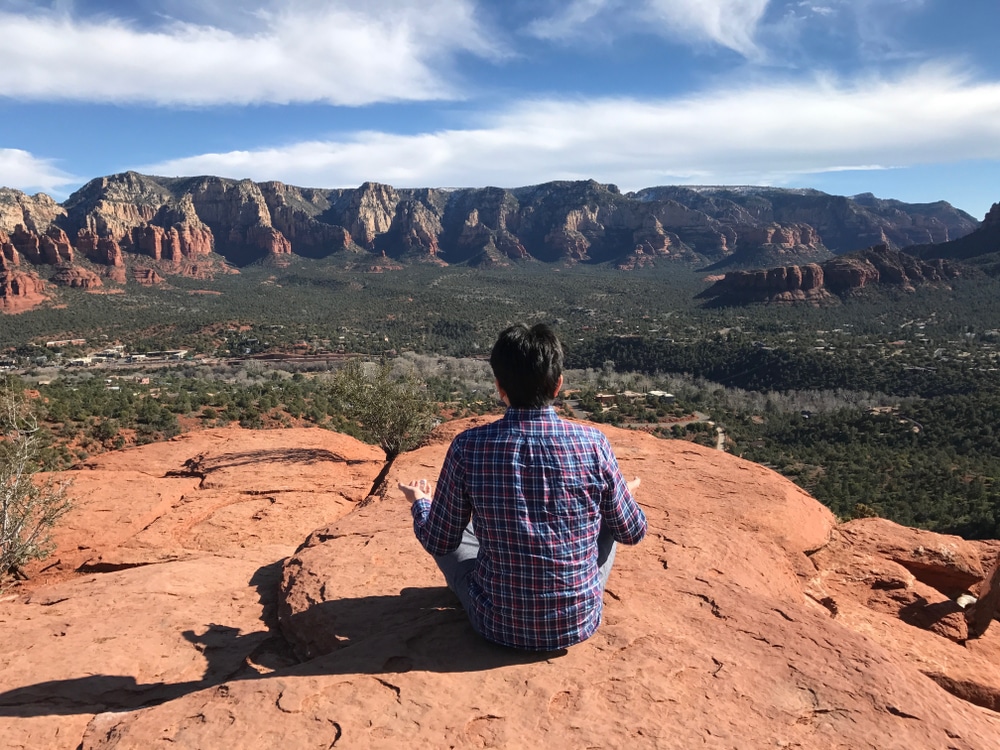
458,565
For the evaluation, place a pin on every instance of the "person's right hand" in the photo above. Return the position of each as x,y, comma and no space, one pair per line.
418,489
633,484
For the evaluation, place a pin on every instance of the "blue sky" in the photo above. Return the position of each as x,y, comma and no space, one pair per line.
896,97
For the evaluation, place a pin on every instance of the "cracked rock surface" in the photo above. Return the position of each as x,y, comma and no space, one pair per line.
746,619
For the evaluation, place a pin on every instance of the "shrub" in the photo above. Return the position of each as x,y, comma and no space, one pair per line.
29,508
394,412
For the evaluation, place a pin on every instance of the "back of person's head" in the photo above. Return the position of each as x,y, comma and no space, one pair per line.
527,363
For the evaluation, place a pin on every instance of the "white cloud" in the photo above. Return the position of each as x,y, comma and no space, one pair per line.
728,23
31,174
751,134
347,53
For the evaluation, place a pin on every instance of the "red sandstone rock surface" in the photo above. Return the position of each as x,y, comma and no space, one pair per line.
20,290
843,275
746,619
9,257
103,250
50,247
172,244
76,277
114,217
146,276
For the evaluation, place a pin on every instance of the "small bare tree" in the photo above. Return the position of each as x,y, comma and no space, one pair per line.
395,412
29,508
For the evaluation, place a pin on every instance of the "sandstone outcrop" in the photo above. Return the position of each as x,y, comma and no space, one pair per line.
176,602
371,209
782,285
145,276
294,213
115,274
881,265
819,283
50,247
104,251
76,277
20,290
9,257
773,244
174,244
35,212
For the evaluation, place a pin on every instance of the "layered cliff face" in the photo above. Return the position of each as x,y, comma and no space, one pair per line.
293,213
845,224
34,212
818,283
980,248
781,285
765,245
178,223
50,247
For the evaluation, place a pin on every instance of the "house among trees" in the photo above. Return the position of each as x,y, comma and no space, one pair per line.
662,396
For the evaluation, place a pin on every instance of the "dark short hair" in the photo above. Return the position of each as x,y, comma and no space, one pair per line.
527,362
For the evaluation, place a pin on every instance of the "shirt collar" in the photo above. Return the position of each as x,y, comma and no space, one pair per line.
545,414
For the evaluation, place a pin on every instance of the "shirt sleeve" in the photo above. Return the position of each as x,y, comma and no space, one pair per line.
439,524
618,507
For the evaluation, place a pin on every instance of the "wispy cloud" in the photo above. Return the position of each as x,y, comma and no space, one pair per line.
728,23
874,29
346,53
32,174
570,21
750,134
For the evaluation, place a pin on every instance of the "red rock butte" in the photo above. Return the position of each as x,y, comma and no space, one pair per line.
235,588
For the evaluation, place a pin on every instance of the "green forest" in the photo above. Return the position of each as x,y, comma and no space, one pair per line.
885,403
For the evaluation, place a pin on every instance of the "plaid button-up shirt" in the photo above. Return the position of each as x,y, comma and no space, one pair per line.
537,489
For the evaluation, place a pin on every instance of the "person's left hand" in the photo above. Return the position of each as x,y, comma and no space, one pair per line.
419,489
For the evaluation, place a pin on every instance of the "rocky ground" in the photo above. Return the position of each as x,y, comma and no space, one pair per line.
233,588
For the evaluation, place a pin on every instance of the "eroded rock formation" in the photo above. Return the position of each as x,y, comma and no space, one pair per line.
50,247
817,283
9,257
146,276
20,290
35,212
76,278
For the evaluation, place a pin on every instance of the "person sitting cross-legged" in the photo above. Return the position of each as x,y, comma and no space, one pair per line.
547,503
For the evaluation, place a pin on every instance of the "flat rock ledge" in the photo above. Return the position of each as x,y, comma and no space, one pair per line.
748,618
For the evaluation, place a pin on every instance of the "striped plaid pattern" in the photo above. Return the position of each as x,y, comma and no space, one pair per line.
536,489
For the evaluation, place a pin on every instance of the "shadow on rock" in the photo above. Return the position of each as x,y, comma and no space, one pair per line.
420,629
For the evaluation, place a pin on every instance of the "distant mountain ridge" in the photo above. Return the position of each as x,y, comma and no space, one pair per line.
142,228
980,248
